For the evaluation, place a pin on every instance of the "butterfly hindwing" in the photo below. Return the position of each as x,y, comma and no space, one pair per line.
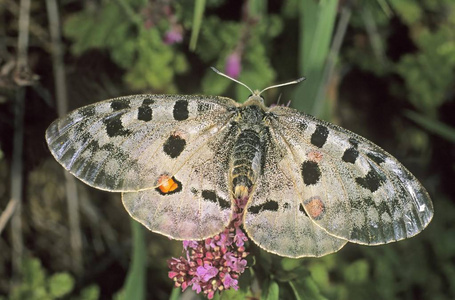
349,186
200,206
274,217
126,144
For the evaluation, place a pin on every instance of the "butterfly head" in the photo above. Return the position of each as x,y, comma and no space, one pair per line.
255,97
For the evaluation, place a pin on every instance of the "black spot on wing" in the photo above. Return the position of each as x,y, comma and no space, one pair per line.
269,205
181,110
354,142
372,180
376,157
148,101
145,112
174,146
88,111
310,172
302,125
350,155
114,126
119,104
319,136
213,197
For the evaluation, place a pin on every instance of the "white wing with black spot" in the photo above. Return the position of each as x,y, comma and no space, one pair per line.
349,186
274,216
201,205
127,143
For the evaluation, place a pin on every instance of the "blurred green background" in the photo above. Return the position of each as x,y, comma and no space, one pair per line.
384,69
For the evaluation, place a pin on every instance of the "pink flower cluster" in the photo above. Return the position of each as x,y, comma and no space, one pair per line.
215,263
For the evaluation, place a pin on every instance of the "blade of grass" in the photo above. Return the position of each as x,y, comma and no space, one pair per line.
432,125
136,278
16,183
61,95
199,7
338,38
317,19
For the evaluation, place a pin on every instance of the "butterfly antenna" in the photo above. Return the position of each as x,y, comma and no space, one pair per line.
229,77
283,84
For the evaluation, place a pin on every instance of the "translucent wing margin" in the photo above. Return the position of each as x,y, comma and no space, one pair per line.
349,186
126,143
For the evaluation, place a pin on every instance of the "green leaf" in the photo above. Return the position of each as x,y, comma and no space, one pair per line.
232,294
60,284
409,10
357,272
306,288
91,292
273,291
429,74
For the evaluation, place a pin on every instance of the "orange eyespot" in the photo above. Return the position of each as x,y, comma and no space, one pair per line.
166,184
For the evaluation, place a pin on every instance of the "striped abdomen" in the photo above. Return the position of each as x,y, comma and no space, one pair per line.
246,162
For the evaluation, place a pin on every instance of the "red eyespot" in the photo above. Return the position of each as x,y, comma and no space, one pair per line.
314,207
315,156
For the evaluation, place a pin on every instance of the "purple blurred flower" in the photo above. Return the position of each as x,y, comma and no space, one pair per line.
233,65
173,36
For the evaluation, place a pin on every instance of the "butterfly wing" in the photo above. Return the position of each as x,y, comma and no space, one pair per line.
349,186
128,143
274,217
201,205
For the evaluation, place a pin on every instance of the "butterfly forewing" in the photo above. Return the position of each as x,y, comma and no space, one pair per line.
349,186
127,143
